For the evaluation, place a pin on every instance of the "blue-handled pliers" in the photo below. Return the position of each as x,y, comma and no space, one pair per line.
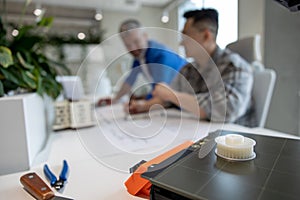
57,184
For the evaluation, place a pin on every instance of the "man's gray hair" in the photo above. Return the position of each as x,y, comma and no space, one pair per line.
129,24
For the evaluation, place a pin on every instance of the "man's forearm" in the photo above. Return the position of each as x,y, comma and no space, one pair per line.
188,102
125,88
152,102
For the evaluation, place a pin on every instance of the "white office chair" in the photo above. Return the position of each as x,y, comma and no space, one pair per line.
264,79
249,49
263,86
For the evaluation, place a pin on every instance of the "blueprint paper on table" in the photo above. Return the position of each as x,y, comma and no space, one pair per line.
155,129
128,140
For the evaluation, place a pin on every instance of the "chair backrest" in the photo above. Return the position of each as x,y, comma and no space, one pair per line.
263,86
248,48
264,79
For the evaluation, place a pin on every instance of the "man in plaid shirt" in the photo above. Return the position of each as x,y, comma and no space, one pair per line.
216,86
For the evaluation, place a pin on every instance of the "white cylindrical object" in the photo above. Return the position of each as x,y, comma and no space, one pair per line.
234,139
234,146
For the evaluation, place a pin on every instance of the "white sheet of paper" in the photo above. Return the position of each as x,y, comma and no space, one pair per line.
148,132
118,142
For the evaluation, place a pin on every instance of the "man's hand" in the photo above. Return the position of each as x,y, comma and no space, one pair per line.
135,107
105,101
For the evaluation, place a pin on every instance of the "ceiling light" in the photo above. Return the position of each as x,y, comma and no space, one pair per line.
81,36
15,33
165,17
98,16
37,12
169,8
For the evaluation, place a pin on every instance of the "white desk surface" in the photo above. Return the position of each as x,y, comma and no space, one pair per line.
89,176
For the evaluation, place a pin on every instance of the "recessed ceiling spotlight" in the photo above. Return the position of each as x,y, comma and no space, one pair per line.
15,33
81,36
165,17
37,12
98,16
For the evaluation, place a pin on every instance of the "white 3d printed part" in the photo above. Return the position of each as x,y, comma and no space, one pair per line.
235,147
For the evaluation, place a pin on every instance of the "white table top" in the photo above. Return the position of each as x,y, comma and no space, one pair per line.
99,176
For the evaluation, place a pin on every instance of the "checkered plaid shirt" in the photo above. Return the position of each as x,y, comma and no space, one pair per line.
222,88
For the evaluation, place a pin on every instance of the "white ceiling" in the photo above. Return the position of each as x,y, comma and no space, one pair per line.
158,3
103,4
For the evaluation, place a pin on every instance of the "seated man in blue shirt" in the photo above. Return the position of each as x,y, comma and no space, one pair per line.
154,60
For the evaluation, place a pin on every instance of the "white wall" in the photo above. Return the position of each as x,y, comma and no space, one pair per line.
282,42
251,19
280,29
148,16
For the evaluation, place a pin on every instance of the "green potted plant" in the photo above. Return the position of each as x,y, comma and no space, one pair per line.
23,64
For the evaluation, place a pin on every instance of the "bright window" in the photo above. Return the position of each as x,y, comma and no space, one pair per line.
228,17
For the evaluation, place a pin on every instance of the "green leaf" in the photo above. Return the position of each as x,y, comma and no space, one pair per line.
6,58
27,78
1,89
3,40
10,76
45,21
24,30
8,85
23,62
39,88
52,87
26,43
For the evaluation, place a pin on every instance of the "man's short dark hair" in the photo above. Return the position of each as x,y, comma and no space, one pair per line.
204,18
129,24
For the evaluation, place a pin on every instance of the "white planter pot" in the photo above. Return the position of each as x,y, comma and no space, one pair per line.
23,131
